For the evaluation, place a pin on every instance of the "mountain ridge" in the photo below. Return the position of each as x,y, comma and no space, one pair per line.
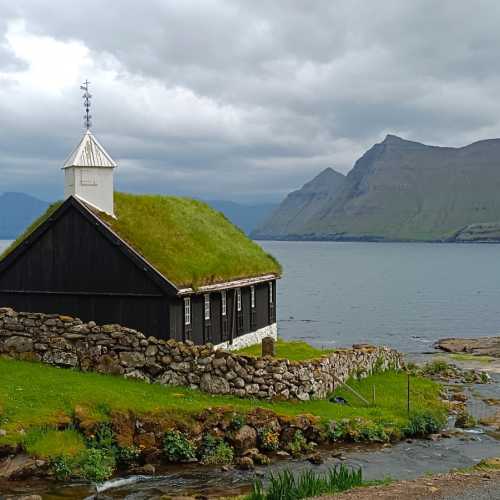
401,190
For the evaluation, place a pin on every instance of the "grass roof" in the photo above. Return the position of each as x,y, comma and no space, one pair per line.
190,243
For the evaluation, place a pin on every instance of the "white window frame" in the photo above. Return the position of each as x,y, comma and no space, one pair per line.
206,298
224,302
88,177
252,297
238,299
271,295
187,311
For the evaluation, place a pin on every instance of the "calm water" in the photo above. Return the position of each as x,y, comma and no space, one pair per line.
399,294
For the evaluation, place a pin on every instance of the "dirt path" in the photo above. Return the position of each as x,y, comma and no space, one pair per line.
476,485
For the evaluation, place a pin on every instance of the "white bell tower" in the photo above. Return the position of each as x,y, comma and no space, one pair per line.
88,171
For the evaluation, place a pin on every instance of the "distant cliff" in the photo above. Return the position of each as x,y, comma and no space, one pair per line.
400,190
17,211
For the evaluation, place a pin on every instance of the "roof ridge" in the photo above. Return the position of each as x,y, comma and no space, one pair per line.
89,153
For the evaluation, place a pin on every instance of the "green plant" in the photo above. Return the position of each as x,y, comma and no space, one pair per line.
177,447
97,465
104,438
63,467
286,486
436,367
422,424
298,444
215,451
127,455
269,439
237,422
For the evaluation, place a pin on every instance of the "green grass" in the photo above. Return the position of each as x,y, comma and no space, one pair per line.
32,227
33,395
295,350
51,443
187,241
472,357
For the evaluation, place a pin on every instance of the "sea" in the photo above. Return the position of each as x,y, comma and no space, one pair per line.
404,295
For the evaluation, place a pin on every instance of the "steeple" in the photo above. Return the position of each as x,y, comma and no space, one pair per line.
88,171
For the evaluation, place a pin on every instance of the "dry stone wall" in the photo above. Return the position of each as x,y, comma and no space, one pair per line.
114,349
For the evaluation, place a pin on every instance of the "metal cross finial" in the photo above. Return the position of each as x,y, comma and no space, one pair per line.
86,103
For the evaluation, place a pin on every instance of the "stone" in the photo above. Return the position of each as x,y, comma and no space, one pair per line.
244,439
132,359
110,364
60,358
20,467
18,344
245,463
145,470
315,459
138,375
146,441
214,384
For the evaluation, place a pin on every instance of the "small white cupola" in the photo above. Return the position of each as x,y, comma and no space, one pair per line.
88,171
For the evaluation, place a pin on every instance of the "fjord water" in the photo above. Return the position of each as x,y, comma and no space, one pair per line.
405,295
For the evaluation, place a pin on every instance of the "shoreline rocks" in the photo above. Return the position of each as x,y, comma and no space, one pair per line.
482,346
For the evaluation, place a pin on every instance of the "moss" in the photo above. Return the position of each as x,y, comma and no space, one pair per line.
189,242
52,443
294,350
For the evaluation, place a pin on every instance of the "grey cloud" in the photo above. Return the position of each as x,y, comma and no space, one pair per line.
288,87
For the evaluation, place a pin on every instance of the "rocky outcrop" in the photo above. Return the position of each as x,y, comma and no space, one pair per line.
482,346
114,349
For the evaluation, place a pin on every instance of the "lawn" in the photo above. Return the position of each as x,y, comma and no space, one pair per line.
36,395
294,350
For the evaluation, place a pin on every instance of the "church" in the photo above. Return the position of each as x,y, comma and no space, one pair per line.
170,267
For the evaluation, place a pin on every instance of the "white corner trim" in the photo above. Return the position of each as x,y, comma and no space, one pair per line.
251,338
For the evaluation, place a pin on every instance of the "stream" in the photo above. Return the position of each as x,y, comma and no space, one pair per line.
404,460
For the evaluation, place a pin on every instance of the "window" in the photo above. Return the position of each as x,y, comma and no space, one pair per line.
238,299
207,306
224,302
272,309
253,314
271,295
187,311
88,177
252,297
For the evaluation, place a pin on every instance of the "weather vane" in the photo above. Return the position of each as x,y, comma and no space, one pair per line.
86,103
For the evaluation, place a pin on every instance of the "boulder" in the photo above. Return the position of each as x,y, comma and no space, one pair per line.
214,385
18,344
244,439
132,359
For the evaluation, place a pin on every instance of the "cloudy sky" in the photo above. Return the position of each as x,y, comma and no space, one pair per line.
241,100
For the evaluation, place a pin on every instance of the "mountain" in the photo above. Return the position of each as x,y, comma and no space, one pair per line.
246,217
404,190
17,211
300,206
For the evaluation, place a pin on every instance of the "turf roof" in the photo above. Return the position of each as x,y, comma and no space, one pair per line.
190,243
187,241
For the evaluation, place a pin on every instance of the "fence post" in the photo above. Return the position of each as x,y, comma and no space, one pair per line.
408,408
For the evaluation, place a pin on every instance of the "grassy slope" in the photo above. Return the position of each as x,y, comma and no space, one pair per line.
293,350
37,395
187,241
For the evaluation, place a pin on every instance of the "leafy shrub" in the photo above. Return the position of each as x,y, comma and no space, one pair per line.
177,447
103,439
422,424
298,445
237,422
284,486
361,430
215,451
127,455
63,467
97,465
436,367
269,439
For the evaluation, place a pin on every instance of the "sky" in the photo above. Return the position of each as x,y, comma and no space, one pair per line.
239,100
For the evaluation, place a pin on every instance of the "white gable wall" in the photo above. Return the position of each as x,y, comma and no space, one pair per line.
92,184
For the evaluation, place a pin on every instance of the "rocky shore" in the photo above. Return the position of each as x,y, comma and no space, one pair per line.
482,346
